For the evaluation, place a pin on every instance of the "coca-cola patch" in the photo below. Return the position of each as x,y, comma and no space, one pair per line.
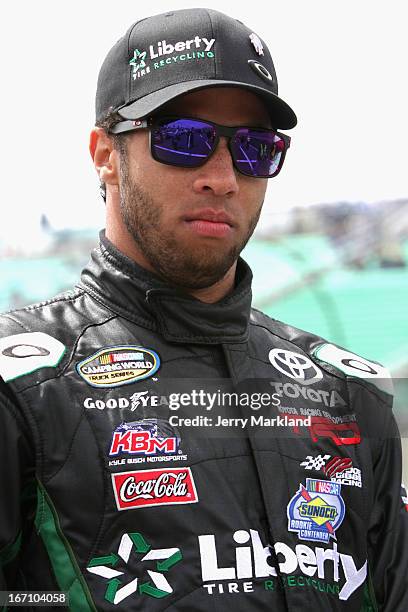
154,488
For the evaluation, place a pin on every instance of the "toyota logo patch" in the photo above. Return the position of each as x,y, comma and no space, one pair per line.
295,365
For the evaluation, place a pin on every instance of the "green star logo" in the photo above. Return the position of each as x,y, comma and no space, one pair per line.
138,60
130,544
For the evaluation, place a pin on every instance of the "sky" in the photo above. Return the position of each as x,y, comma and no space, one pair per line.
341,65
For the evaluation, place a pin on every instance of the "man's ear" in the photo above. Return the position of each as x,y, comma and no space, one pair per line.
105,156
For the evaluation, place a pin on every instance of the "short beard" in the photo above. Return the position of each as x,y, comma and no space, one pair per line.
142,217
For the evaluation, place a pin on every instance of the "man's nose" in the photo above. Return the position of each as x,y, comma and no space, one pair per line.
218,173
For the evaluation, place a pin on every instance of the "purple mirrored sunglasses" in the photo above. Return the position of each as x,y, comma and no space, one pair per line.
189,143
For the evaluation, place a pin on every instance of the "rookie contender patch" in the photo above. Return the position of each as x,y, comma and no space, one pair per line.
118,365
316,511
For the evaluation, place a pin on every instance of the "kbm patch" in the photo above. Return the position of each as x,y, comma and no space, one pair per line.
118,365
145,437
316,511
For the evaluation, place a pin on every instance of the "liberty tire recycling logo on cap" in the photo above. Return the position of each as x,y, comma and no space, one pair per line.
138,60
118,365
163,53
316,511
132,544
295,365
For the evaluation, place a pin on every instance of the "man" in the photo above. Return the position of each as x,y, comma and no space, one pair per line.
165,447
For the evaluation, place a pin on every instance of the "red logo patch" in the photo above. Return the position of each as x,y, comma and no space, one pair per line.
337,465
340,433
141,442
154,488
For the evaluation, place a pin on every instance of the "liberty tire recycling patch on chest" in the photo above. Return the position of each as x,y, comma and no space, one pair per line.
118,365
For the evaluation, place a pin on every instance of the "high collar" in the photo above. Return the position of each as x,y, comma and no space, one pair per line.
135,293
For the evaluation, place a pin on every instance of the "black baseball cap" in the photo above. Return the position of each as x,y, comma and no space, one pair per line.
167,55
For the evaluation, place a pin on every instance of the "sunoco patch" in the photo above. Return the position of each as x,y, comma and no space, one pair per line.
316,511
118,365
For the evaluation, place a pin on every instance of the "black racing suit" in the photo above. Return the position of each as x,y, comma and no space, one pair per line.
160,453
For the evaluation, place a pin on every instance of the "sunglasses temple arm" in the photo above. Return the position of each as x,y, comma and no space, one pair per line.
127,126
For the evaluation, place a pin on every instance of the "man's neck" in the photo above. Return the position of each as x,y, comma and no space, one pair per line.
219,290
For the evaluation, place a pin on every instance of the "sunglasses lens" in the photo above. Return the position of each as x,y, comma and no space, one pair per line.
258,153
183,142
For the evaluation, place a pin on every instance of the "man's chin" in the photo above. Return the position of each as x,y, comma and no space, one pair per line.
196,273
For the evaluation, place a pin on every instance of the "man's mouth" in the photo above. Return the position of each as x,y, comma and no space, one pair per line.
210,223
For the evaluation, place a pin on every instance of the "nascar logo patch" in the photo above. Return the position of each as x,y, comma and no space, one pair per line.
316,511
118,365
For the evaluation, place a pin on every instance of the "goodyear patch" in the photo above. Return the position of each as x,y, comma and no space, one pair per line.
118,365
355,366
316,511
24,353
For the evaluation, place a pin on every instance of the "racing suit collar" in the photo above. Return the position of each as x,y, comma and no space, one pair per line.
135,293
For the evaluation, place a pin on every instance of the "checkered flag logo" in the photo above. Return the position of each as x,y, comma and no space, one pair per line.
315,463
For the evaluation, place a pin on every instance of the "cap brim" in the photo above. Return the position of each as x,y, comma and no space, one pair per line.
281,113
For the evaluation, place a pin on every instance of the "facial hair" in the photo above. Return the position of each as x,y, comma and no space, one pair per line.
143,218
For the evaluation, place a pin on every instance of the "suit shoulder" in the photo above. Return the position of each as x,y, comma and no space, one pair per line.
301,338
41,336
41,315
330,357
